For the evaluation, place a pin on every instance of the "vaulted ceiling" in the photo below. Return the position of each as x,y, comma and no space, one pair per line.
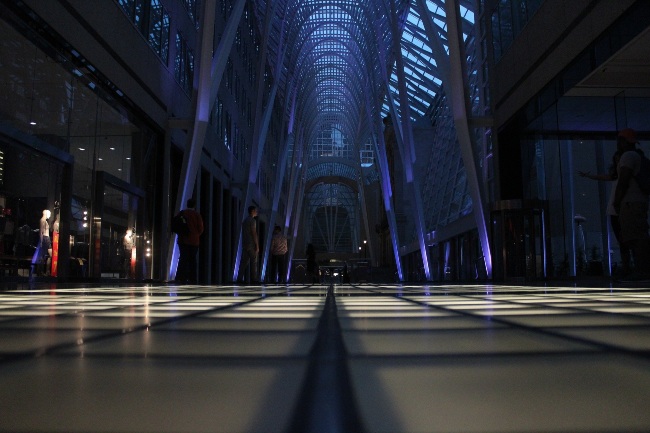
337,65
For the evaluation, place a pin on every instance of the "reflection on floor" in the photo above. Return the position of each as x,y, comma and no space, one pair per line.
343,358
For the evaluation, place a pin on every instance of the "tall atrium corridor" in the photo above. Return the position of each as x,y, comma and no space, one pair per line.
438,175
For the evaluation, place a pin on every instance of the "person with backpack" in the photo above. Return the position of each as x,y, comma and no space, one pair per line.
188,245
631,204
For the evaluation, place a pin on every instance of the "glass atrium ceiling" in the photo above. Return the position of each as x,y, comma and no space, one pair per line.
337,59
335,50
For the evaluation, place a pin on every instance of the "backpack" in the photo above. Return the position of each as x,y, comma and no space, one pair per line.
643,176
179,225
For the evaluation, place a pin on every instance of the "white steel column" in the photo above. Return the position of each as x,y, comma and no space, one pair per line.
209,79
296,217
281,167
362,190
404,137
262,120
296,167
386,188
458,97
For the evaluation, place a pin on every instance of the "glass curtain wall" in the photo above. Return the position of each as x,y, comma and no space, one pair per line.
50,96
30,193
578,135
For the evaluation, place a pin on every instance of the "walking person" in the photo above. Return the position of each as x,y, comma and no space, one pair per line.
188,245
278,254
250,247
631,204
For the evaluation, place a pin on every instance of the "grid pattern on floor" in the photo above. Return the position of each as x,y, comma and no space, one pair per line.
270,359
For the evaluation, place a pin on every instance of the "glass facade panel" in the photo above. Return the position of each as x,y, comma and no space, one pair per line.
508,19
120,239
184,64
152,20
53,111
569,142
29,196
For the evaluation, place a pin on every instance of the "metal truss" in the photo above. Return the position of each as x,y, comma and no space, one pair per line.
340,66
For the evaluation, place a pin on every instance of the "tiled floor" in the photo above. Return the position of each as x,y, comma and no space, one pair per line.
369,358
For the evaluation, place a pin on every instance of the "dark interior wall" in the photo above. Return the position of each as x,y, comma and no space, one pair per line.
510,166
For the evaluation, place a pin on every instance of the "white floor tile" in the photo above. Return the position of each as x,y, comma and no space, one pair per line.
107,395
537,394
489,341
207,344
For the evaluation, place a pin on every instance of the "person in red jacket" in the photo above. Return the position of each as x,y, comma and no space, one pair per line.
188,245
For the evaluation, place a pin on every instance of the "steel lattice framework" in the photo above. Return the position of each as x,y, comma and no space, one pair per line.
339,67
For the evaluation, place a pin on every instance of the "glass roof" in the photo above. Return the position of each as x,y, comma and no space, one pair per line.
335,57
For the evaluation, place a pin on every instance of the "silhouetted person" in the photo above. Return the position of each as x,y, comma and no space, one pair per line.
631,204
188,245
250,247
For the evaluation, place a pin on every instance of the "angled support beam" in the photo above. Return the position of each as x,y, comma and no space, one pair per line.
458,96
388,203
434,41
196,135
362,190
210,75
281,166
453,74
296,169
256,161
386,189
262,120
404,137
296,215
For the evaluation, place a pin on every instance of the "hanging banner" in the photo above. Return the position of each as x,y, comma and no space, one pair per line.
55,254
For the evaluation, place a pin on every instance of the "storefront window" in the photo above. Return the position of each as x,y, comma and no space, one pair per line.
570,140
119,237
29,212
53,109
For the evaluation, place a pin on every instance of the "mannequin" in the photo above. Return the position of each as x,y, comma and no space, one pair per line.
45,232
128,243
44,244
